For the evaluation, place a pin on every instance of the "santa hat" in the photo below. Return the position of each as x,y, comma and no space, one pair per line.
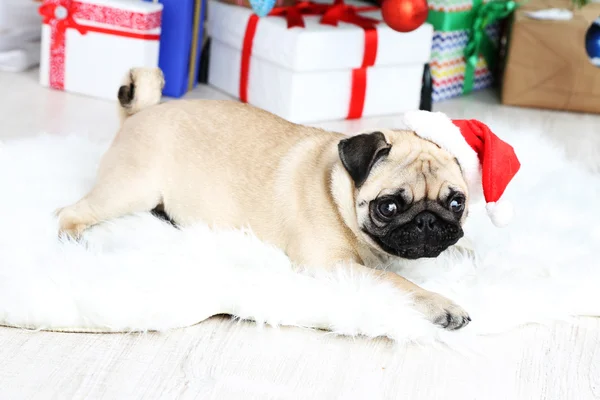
487,162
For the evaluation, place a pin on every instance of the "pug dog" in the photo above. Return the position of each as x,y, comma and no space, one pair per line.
327,200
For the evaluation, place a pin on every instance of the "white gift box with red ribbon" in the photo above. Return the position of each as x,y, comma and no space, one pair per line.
89,45
338,60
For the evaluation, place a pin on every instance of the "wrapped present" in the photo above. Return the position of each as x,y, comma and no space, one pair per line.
547,65
181,44
89,45
313,62
465,44
246,3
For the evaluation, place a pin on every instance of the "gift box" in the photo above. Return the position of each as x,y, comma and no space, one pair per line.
465,44
89,45
246,3
181,44
314,62
547,65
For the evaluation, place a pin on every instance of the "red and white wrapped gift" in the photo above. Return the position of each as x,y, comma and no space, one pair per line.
317,61
89,45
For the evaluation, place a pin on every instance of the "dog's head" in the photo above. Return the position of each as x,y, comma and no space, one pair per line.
410,196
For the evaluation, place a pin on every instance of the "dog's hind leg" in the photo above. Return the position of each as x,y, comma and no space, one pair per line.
118,191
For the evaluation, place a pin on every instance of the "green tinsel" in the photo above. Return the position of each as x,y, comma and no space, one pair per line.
580,3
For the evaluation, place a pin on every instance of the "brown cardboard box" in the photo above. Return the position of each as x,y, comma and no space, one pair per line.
547,65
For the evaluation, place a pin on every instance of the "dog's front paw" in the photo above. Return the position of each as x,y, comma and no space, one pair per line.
70,225
441,311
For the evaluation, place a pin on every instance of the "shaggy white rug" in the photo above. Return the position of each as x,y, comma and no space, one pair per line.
138,273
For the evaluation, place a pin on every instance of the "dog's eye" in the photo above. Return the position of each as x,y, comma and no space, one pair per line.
457,204
388,208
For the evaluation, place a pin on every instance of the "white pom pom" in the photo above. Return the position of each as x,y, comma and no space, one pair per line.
500,212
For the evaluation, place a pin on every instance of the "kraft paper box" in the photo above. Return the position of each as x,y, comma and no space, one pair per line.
310,74
546,63
452,21
89,45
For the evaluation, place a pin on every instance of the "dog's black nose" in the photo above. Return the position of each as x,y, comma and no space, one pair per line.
426,221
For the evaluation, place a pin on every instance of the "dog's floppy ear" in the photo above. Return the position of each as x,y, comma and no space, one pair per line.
359,153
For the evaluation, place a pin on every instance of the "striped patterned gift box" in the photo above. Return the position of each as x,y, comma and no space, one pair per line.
448,63
447,57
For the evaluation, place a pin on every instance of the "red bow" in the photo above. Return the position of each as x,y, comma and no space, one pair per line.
293,14
348,13
61,14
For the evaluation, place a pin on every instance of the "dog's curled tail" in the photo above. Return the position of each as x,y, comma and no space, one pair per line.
141,88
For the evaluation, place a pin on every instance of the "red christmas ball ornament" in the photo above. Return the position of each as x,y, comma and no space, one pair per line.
404,15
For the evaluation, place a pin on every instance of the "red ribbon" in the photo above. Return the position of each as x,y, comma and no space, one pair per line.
347,13
294,14
246,54
60,15
63,21
331,15
340,11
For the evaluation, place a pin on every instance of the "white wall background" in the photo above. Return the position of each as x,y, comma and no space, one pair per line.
18,13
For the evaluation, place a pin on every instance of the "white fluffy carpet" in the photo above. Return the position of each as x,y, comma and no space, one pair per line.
138,273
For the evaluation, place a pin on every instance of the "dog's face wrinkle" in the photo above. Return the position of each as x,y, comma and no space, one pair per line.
459,166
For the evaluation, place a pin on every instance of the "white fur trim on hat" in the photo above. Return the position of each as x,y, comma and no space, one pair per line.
500,212
438,128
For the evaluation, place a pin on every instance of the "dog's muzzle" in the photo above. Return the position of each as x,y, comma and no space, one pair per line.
425,236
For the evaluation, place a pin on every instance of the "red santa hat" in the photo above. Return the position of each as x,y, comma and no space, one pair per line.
487,162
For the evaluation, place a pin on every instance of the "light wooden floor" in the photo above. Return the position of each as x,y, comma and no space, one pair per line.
224,359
